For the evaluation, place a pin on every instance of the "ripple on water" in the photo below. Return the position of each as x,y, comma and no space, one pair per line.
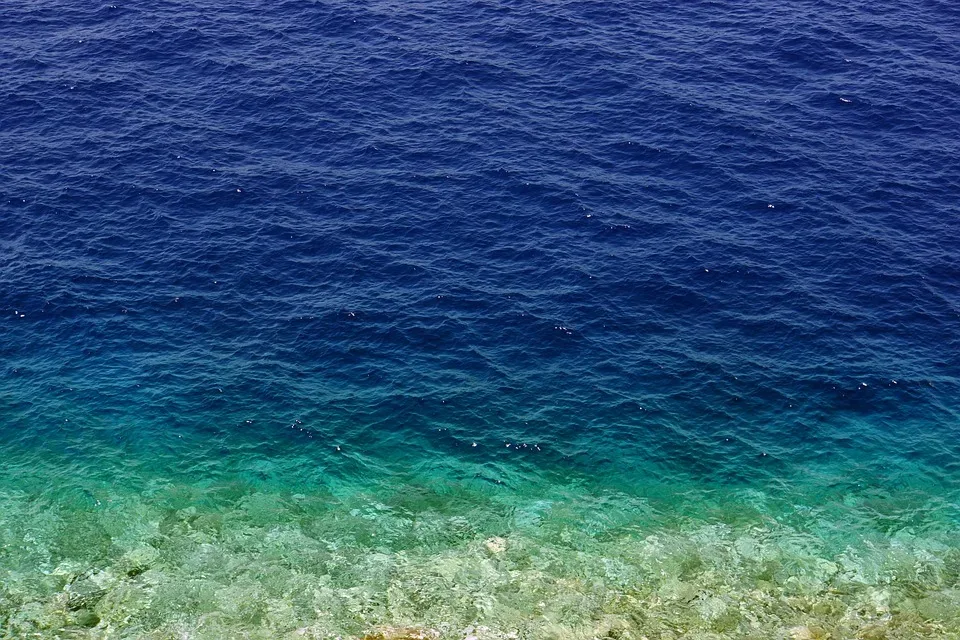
542,320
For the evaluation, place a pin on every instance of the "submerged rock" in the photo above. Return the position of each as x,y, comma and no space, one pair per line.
84,594
873,632
138,560
495,545
811,632
86,618
801,633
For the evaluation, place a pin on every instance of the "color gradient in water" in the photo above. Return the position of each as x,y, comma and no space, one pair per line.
488,320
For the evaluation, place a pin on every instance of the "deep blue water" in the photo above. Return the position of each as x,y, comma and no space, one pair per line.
670,256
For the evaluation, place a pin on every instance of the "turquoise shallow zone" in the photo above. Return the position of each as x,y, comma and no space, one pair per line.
488,320
99,544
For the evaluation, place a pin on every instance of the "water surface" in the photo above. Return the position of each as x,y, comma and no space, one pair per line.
505,319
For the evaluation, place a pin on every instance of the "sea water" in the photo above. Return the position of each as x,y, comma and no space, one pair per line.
484,320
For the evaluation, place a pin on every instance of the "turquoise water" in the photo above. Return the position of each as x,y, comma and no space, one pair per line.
483,320
99,543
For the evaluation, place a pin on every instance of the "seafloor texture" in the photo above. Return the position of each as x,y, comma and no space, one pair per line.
499,320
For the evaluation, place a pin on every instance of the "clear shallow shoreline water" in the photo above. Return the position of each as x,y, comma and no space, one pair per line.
263,547
534,320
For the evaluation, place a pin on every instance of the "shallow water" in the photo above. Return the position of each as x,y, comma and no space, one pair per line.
274,548
504,320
